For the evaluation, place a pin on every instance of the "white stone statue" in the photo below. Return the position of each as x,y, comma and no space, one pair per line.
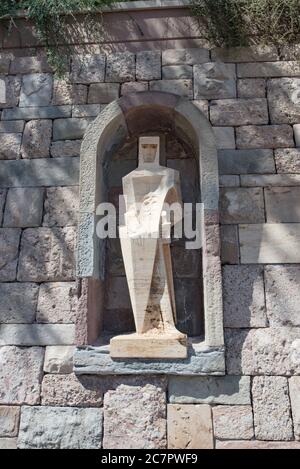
145,243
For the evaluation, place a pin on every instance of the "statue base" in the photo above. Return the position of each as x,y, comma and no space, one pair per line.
149,346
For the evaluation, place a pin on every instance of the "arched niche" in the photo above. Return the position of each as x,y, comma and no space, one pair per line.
127,117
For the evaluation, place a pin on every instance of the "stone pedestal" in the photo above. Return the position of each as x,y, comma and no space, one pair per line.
148,346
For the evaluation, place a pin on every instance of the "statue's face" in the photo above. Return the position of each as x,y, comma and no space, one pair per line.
149,152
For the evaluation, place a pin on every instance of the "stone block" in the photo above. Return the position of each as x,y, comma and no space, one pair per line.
257,53
209,390
36,139
60,428
65,148
18,302
256,444
29,65
233,422
241,205
20,375
59,359
229,244
8,443
36,90
265,136
103,93
2,90
24,207
70,390
2,202
9,421
86,110
65,92
279,180
57,302
214,80
189,427
47,254
70,129
177,72
37,334
271,243
120,67
243,296
185,56
9,251
239,112
288,160
294,388
12,91
296,129
282,204
271,407
29,113
202,105
284,100
10,145
282,295
12,127
61,206
181,87
224,137
135,418
267,351
246,161
251,88
133,87
148,65
268,69
4,64
86,69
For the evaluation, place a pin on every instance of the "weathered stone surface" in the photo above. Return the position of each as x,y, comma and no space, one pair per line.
10,145
202,105
239,112
243,296
9,246
61,206
65,92
2,202
103,93
37,334
267,136
181,87
59,359
251,88
189,427
288,160
12,127
9,421
4,64
47,254
29,113
2,90
86,110
36,139
120,67
20,375
269,69
69,390
12,88
135,417
88,69
36,90
60,428
271,407
224,137
269,351
246,161
282,204
67,148
57,302
296,129
214,80
294,388
233,422
24,207
257,53
177,72
256,444
8,443
282,295
284,100
18,302
40,172
241,205
280,180
148,65
270,243
210,390
70,129
185,56
29,65
134,87
229,244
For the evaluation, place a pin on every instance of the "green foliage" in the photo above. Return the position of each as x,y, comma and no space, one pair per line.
246,22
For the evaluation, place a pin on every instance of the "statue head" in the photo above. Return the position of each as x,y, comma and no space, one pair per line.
148,151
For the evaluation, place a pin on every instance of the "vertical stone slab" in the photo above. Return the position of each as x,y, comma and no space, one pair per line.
9,248
294,386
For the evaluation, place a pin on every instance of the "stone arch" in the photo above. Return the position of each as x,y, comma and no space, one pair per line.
122,118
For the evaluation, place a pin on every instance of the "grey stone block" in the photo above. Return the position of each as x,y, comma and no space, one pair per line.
24,207
12,86
185,56
177,72
36,139
37,334
282,204
57,303
59,359
4,64
229,244
9,250
251,88
29,65
10,145
246,161
264,136
65,148
18,302
229,180
103,93
239,112
36,90
12,127
148,65
180,87
28,113
9,421
241,205
86,110
88,69
214,80
61,206
120,67
233,422
70,129
294,388
224,137
279,180
288,160
284,100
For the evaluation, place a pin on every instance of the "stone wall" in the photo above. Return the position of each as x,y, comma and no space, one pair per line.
252,100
